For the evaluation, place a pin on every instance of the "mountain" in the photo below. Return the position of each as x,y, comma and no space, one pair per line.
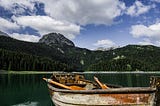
55,52
66,54
53,39
130,58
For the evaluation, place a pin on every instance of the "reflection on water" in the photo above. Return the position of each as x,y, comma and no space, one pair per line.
20,88
27,104
31,90
124,79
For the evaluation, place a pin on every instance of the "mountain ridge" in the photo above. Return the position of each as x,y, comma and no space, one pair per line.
65,57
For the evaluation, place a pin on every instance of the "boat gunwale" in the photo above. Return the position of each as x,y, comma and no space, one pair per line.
124,90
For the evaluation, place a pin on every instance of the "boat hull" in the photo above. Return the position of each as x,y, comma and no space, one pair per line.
101,99
119,96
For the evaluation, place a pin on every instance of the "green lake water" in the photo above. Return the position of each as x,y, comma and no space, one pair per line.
31,90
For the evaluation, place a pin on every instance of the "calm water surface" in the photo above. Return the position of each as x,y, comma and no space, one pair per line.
31,90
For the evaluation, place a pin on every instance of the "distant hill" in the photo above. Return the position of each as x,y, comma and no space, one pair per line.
55,52
130,58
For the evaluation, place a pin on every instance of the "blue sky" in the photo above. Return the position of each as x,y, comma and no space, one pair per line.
88,23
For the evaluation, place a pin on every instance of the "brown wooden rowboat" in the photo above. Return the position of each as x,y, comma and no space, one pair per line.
93,95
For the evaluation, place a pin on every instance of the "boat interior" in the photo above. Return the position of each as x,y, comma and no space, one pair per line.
78,80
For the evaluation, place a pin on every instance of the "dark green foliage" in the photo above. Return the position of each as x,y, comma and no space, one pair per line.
130,58
19,61
30,48
120,65
20,55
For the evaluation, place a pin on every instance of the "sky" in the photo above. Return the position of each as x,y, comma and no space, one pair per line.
88,23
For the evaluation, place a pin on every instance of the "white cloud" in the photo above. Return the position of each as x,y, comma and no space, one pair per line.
157,43
105,43
84,12
150,42
151,31
6,25
81,12
46,24
67,16
10,3
146,42
25,37
18,6
64,16
137,9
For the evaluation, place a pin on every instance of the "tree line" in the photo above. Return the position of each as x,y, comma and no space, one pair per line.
10,60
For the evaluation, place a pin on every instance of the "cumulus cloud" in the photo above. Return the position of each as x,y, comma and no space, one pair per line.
10,3
150,42
25,37
7,25
146,42
105,43
68,16
137,9
81,12
18,6
151,31
46,24
63,16
84,12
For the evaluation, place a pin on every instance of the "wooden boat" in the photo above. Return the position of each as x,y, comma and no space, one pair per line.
67,89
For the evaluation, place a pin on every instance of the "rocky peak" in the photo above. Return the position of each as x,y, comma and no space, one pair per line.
56,39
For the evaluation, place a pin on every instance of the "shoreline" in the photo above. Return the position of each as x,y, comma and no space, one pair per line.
25,72
95,72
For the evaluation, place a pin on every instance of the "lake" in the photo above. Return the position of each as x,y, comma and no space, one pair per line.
31,90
